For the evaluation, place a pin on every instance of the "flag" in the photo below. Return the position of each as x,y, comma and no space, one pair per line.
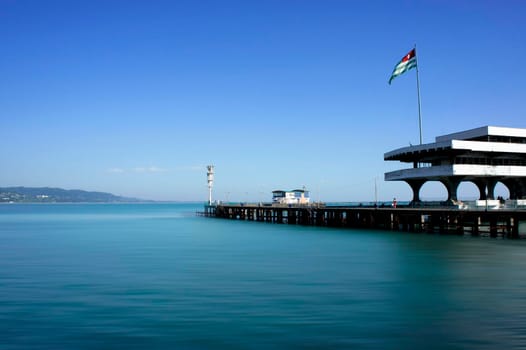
407,62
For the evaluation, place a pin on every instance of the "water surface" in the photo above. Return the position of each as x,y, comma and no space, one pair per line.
156,276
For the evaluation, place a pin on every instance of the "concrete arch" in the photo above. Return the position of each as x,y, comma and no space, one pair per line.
488,188
434,190
469,190
501,190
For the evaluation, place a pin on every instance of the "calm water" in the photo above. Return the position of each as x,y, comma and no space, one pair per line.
156,276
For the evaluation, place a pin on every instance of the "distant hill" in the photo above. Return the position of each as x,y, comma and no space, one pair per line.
57,195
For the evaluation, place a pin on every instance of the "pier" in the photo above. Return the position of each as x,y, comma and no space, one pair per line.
484,156
493,223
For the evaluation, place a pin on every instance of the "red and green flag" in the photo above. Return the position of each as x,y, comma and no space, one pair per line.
407,62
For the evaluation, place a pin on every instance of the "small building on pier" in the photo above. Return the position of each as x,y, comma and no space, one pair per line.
483,156
291,197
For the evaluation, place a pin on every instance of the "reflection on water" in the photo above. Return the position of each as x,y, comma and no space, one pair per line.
138,276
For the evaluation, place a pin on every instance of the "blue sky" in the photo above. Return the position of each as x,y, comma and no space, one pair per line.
137,97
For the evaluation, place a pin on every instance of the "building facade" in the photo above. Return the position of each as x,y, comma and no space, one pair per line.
484,156
291,197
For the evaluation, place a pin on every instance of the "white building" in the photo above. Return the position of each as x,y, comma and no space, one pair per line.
290,197
484,156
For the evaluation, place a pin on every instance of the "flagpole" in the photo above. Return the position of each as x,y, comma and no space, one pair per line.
418,93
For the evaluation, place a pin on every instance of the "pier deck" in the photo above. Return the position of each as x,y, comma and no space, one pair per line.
494,223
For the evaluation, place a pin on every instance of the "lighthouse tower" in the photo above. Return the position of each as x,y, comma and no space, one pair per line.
210,179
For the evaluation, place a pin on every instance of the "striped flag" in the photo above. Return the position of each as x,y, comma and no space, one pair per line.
407,62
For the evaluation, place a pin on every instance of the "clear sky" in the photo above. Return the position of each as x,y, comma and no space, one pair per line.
137,97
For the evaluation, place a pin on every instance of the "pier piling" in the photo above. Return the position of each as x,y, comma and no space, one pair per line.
495,223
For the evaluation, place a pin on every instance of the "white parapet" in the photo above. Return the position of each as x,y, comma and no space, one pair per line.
436,172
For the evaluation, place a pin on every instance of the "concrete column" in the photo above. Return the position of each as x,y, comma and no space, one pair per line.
451,185
482,189
491,183
416,185
521,189
512,188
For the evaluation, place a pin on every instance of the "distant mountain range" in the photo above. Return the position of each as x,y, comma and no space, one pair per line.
57,195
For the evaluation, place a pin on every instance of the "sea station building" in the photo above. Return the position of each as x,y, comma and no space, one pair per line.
484,156
290,197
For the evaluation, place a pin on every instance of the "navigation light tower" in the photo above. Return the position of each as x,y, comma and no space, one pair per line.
210,179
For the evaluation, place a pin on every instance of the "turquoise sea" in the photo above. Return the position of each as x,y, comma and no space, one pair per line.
156,276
